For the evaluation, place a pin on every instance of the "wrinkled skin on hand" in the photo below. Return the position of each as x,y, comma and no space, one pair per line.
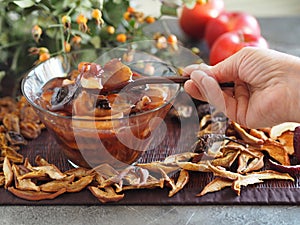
266,89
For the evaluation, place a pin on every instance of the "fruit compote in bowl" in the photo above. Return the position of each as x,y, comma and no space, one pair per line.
79,98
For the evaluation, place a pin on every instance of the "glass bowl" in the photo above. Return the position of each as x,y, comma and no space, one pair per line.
91,141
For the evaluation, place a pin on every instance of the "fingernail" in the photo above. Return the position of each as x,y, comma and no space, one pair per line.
199,77
203,66
210,92
206,79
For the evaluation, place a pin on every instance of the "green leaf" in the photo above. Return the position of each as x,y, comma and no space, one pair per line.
114,12
25,3
117,1
2,74
96,41
189,3
168,11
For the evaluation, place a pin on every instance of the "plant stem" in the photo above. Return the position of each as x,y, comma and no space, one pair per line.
55,26
12,44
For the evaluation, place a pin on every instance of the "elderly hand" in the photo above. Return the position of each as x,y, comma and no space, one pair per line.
266,92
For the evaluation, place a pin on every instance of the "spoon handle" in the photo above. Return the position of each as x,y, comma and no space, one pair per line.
167,80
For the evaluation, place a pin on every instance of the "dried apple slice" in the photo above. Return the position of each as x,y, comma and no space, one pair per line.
227,160
286,139
168,180
259,134
148,185
182,180
248,138
79,172
276,151
216,184
105,196
248,163
2,179
115,74
35,195
258,177
56,185
41,161
185,156
277,130
80,184
244,181
222,172
199,167
11,122
156,166
11,154
8,173
23,184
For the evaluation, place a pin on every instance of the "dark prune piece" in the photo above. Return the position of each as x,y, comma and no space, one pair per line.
206,141
15,138
59,94
103,104
63,96
296,143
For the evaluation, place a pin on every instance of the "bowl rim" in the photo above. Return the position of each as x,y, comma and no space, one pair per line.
31,73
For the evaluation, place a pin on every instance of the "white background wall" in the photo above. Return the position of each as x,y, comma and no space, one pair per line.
262,8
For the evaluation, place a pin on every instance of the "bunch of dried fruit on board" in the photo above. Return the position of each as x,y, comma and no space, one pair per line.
18,123
235,158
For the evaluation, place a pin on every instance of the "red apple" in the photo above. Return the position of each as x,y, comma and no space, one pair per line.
193,21
231,42
230,21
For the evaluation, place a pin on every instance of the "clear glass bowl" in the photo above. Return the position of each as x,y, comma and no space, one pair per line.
88,142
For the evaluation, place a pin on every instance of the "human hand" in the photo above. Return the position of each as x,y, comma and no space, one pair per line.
266,90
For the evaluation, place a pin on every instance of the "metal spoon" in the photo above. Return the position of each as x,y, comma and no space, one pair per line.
164,80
